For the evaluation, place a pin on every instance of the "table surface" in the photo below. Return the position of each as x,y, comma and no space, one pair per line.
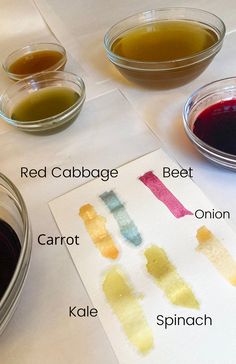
40,330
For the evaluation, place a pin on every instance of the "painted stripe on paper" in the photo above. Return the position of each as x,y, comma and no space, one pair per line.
126,307
127,227
157,187
96,227
217,254
166,276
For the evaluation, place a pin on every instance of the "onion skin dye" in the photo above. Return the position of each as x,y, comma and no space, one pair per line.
216,126
35,62
10,248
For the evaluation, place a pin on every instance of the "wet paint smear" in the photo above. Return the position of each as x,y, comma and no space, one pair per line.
211,247
164,195
164,272
96,228
127,309
127,227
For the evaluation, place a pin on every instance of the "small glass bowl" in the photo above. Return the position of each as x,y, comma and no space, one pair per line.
33,48
19,90
13,211
200,100
166,74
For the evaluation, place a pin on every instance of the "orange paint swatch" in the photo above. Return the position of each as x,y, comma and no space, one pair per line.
96,228
211,247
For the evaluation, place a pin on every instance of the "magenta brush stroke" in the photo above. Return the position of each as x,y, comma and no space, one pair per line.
164,195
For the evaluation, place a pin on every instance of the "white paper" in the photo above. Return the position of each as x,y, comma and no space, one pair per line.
203,344
107,133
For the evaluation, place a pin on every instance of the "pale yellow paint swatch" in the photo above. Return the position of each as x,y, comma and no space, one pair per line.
168,279
96,227
126,307
210,246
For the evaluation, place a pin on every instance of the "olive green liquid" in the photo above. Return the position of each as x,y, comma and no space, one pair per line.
45,103
164,41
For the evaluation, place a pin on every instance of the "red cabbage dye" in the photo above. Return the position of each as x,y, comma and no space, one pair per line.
10,248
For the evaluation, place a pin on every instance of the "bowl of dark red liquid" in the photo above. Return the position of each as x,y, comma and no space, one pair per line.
210,121
15,248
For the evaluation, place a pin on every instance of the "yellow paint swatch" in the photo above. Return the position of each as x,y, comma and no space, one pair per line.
168,279
126,307
217,254
96,227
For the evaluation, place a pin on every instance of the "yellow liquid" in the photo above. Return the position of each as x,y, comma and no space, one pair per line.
44,103
164,41
34,62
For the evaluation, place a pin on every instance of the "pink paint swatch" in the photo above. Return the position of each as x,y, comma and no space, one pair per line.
164,195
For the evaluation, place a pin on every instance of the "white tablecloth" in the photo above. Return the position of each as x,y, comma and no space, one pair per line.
41,331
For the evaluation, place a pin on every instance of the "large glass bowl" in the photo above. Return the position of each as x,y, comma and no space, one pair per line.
165,74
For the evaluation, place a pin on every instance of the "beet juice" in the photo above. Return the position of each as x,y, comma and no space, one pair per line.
216,126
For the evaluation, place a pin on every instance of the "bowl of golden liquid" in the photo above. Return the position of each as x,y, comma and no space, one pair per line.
165,47
35,58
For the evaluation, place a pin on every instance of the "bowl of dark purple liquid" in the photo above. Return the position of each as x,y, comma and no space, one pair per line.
15,248
210,121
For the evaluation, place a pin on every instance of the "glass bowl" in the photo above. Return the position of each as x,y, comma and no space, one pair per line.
13,212
200,100
19,90
28,51
172,73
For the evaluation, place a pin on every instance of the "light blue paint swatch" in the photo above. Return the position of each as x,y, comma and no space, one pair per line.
127,227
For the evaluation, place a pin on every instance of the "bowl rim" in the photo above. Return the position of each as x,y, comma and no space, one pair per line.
26,50
193,137
170,62
62,115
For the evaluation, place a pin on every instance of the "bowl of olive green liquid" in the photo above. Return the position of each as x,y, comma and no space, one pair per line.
44,101
165,47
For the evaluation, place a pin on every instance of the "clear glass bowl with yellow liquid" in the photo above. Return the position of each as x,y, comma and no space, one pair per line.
35,58
44,101
165,47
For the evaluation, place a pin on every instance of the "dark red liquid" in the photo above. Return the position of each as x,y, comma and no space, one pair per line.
216,126
10,248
